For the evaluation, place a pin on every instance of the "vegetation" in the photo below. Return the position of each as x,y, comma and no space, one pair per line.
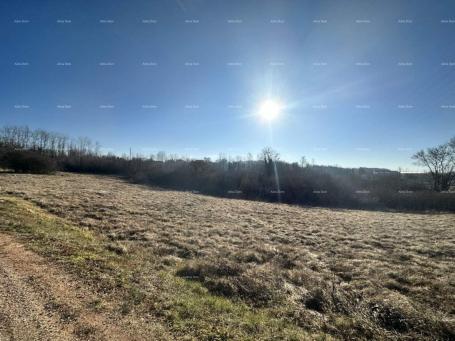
214,268
265,178
188,307
440,162
26,161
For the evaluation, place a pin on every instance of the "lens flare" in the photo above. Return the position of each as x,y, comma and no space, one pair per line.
269,110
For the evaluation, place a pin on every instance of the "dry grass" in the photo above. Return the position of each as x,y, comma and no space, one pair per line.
345,273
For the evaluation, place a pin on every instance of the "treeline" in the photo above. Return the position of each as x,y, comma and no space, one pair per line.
264,177
49,143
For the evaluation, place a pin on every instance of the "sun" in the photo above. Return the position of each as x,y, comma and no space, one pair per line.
270,110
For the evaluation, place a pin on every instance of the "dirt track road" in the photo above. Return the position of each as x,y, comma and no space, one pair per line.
39,302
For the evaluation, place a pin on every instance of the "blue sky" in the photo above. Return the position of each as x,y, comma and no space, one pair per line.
363,83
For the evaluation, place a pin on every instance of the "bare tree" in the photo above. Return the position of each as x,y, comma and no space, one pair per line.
62,142
84,145
269,156
440,161
97,149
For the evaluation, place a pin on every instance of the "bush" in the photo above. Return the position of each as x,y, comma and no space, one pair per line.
223,277
24,161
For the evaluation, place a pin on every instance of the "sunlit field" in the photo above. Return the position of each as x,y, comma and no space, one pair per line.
233,170
199,267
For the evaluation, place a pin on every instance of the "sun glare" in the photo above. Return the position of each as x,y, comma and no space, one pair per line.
269,110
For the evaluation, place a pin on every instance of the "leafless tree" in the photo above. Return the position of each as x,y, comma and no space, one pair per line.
440,161
269,156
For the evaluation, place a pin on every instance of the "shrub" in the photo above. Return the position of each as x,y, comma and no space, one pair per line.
226,278
316,301
23,161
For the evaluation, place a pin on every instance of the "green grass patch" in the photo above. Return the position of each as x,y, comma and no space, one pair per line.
213,317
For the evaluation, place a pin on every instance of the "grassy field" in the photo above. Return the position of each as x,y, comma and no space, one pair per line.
206,268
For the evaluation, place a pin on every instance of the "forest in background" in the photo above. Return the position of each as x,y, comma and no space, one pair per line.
265,178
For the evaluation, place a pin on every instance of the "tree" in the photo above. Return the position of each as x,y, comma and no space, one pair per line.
27,161
269,156
440,161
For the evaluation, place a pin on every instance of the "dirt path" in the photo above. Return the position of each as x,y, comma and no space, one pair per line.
39,302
